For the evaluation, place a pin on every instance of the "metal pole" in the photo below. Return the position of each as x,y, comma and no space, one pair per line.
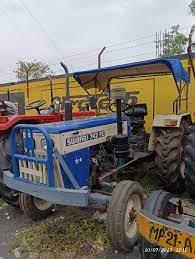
160,43
156,44
51,88
8,95
99,57
119,117
189,50
67,80
191,34
27,84
67,102
164,39
190,59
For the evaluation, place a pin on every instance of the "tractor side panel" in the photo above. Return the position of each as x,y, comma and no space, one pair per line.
78,163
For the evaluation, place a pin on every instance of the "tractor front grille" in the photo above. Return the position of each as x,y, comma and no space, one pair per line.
35,172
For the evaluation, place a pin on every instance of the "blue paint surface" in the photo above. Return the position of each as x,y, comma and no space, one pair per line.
90,122
29,156
174,65
29,144
78,163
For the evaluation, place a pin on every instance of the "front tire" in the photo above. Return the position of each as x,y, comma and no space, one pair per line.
35,208
157,205
127,199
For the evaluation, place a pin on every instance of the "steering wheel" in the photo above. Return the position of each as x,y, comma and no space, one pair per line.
123,109
35,105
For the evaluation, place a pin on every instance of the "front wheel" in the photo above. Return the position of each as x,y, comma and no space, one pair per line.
127,199
157,204
34,207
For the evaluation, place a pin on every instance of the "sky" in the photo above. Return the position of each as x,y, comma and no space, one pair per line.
74,31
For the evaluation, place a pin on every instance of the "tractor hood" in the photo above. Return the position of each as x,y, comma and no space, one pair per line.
100,78
90,122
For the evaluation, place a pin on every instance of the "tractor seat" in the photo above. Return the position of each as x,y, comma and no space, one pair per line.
45,111
137,115
139,110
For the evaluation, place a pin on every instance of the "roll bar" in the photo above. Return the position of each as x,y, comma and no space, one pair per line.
189,50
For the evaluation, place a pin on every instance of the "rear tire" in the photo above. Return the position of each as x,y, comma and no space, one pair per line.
127,198
190,164
6,193
35,208
9,196
169,158
13,201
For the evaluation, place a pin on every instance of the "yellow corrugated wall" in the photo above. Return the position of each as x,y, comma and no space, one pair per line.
158,92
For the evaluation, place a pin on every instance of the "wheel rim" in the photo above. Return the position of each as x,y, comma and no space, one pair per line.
42,204
130,224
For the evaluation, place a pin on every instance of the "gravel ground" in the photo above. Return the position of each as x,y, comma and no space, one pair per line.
12,221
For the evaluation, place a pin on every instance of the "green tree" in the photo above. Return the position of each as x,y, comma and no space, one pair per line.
174,42
192,8
31,70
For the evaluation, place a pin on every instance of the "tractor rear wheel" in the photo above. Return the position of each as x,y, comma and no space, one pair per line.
190,165
6,193
127,199
34,207
157,205
169,158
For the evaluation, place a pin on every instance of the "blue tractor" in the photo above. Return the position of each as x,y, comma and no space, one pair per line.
84,162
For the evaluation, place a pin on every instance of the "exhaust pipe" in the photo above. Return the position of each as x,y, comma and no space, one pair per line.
120,140
51,89
67,103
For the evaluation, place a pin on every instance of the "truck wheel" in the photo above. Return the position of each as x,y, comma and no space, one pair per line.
127,198
169,158
156,204
190,165
34,207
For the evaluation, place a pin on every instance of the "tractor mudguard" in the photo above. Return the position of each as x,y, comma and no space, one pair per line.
8,122
166,121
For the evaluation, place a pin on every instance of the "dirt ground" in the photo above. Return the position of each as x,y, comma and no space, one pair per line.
13,221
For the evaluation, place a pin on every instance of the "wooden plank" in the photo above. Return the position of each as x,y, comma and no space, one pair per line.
29,171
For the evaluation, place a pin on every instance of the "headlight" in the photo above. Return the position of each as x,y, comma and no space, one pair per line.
44,144
170,122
